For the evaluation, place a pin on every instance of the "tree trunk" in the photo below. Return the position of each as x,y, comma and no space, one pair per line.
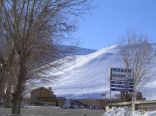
16,106
7,97
17,96
126,96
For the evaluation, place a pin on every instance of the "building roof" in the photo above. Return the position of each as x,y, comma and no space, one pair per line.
42,88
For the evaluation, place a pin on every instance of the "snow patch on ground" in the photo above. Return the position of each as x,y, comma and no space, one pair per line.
127,112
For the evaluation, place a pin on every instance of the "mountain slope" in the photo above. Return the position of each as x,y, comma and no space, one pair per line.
88,75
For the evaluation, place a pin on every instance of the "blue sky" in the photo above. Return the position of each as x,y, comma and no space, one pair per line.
112,19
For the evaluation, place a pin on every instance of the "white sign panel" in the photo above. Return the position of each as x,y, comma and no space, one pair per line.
121,74
121,79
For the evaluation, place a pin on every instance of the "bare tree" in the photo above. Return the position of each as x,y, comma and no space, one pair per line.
6,61
136,53
34,28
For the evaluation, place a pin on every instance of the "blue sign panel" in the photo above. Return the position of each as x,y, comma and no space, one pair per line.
122,82
122,86
119,89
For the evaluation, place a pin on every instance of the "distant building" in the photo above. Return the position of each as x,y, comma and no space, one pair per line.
46,97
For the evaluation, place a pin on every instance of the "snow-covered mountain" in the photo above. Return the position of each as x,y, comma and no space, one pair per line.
73,50
88,75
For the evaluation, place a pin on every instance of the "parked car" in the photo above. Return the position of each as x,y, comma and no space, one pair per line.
37,103
95,107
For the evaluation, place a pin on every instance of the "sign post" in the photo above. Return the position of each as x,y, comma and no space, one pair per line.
121,80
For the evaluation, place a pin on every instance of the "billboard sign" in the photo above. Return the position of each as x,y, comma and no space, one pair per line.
121,79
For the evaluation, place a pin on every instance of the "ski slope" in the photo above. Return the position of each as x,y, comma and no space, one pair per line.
88,76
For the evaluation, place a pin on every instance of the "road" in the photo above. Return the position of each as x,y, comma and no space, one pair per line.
49,111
